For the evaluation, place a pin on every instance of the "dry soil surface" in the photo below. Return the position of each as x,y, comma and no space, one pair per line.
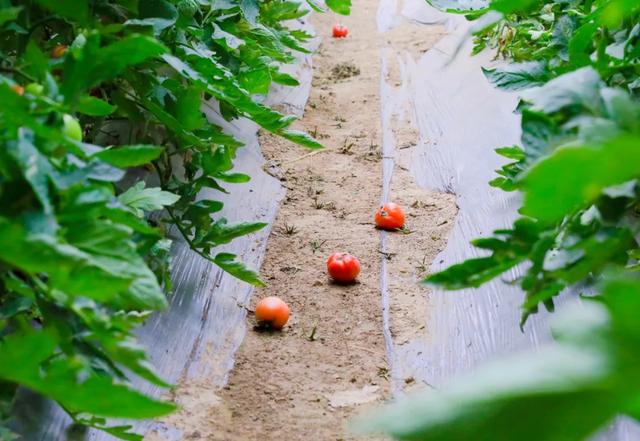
331,361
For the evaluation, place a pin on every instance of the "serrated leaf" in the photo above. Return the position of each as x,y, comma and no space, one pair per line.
68,268
518,76
580,87
142,199
21,361
94,64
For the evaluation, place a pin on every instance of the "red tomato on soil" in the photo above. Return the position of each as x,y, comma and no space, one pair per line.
343,267
340,31
272,312
390,217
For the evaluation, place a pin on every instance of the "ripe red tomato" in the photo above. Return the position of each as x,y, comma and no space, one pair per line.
58,51
272,312
390,217
343,267
340,31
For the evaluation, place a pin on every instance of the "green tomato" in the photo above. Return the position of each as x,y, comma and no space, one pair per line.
34,88
71,128
188,8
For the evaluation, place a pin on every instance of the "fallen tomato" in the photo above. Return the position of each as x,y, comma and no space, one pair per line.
272,312
340,31
390,217
343,267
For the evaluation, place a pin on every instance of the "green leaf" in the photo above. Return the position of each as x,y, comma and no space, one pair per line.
551,192
472,272
235,178
518,76
14,305
142,199
144,293
226,38
221,232
68,268
339,6
122,432
228,262
160,14
21,361
580,42
111,246
256,80
250,10
188,111
35,167
513,152
227,90
315,6
580,87
129,155
573,263
71,9
92,64
510,6
92,106
302,138
9,14
284,79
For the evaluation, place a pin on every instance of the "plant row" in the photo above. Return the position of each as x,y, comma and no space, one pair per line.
105,148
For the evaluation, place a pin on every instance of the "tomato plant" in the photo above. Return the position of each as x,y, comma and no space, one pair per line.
91,91
575,66
339,31
272,312
390,216
343,267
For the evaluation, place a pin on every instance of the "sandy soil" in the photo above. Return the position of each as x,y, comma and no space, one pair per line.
331,361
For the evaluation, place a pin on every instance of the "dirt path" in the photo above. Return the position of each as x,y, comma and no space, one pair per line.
332,360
